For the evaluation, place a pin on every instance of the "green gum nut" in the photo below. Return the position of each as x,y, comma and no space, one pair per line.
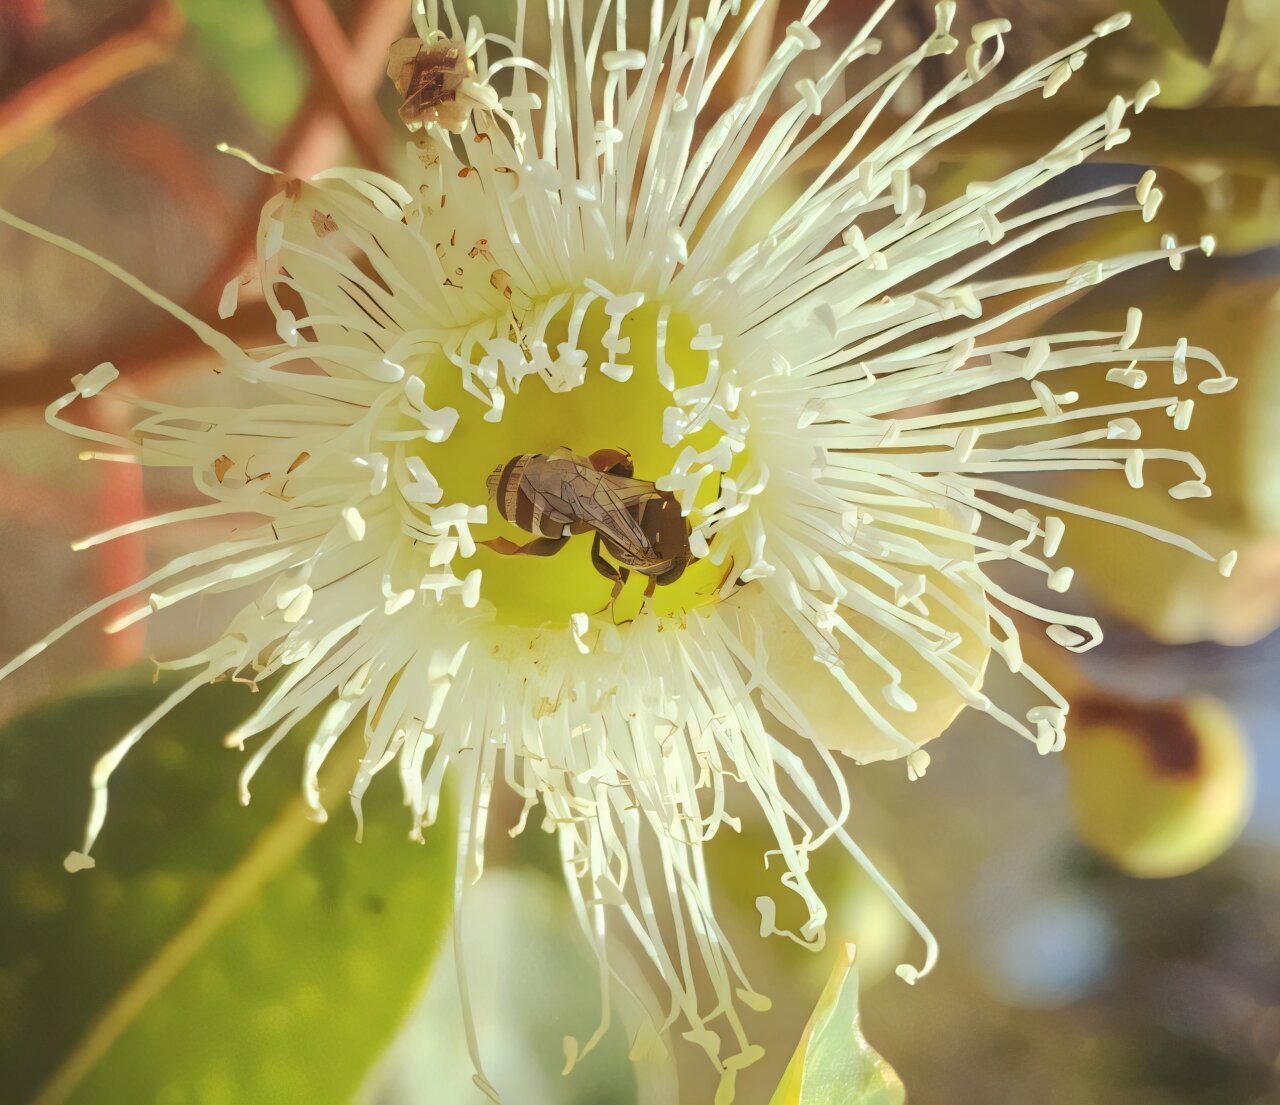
1158,789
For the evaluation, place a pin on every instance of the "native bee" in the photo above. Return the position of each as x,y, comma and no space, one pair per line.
555,496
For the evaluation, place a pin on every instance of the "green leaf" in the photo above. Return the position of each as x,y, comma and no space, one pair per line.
1199,24
1234,138
246,43
834,1064
216,953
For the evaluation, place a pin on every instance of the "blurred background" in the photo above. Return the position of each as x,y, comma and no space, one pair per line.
1109,917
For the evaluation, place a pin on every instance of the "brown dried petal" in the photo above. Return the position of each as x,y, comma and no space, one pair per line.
428,78
222,466
322,223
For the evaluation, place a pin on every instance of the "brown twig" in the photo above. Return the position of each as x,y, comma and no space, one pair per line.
164,347
156,150
753,54
49,97
1233,137
315,136
324,45
310,143
44,506
21,19
123,561
375,27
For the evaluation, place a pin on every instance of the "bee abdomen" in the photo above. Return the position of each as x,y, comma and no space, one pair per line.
511,503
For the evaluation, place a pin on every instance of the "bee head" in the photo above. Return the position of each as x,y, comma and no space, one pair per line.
491,482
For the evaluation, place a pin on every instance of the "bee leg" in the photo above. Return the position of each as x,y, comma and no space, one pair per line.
541,546
602,565
615,461
650,587
675,572
619,575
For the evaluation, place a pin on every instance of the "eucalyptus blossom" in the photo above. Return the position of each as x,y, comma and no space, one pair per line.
761,307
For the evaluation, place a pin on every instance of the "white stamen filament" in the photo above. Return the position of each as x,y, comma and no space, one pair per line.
848,445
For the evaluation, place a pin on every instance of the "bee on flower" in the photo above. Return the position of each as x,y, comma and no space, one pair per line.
558,359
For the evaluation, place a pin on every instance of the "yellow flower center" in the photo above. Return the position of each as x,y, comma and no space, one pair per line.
600,413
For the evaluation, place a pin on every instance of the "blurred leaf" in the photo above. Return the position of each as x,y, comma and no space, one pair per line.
1171,595
834,1064
216,954
1241,211
1236,138
1199,22
1222,305
1232,308
1247,63
532,980
244,40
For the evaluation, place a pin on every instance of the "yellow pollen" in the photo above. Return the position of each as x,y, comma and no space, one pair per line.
600,413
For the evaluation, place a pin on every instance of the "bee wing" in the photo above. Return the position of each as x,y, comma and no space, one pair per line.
552,489
553,501
632,491
600,504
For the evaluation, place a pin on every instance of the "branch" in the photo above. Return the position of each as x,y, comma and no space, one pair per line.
49,97
151,147
310,143
314,138
753,54
119,563
376,26
323,43
1239,139
164,347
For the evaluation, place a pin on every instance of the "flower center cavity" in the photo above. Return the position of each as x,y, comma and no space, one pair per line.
612,415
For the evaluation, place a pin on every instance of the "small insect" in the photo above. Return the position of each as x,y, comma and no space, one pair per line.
429,76
555,496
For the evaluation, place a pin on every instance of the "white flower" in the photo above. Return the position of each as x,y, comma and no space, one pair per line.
838,406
